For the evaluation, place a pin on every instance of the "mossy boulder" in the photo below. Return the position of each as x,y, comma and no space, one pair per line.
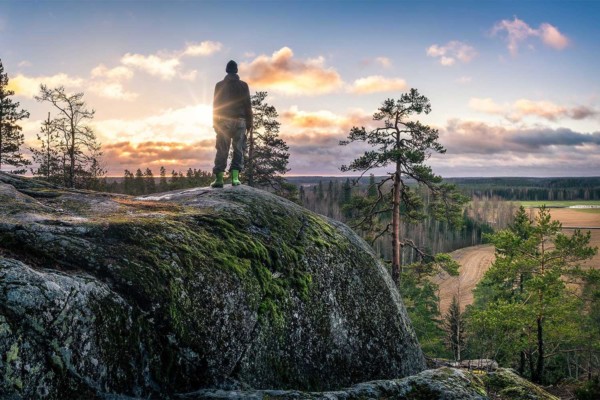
436,384
192,289
505,384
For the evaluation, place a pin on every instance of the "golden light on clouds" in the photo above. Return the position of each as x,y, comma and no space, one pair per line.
283,73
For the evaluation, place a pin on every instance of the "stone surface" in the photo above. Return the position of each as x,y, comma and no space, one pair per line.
439,384
505,384
109,296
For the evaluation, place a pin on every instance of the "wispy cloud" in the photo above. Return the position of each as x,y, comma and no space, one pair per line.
205,48
282,72
384,62
117,73
163,67
452,51
522,108
168,64
377,83
518,31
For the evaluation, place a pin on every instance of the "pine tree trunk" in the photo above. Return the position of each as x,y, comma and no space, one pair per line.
540,361
72,156
396,247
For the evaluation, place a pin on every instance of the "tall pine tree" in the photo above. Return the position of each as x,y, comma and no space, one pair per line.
405,145
11,138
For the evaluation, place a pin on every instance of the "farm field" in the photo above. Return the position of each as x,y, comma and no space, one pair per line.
566,203
476,260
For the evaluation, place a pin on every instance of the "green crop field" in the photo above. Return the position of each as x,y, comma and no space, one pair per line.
534,204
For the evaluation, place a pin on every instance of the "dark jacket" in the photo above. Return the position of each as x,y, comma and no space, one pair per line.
232,100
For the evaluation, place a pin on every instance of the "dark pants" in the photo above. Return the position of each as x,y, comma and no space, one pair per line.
230,130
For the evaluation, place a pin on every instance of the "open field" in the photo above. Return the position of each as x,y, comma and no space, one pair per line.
569,203
476,260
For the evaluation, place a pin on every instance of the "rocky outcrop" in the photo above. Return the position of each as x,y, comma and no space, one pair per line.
505,384
151,296
439,384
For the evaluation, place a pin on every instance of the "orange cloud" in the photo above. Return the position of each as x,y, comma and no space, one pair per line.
30,86
324,120
283,73
126,155
377,83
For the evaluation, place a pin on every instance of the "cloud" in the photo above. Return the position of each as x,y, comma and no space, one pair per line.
452,51
117,73
205,48
522,108
167,64
323,121
154,154
26,86
474,137
111,90
186,124
486,105
107,82
518,31
24,64
384,62
552,37
464,79
377,83
283,73
163,67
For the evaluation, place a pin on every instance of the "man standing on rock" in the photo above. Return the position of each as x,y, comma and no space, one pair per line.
232,118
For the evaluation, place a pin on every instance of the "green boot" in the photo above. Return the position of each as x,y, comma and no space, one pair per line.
235,177
218,183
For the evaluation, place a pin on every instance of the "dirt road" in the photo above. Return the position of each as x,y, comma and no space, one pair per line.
474,261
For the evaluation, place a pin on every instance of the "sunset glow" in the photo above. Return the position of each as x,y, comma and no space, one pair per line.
513,85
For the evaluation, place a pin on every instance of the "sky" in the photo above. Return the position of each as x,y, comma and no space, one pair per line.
513,85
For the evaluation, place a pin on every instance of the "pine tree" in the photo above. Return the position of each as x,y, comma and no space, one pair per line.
163,186
524,294
405,145
128,185
48,157
150,183
11,138
268,155
454,325
139,184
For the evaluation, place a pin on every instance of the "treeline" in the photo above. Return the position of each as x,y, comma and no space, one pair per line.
145,182
531,189
482,215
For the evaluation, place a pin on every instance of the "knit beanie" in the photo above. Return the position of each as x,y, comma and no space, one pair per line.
231,67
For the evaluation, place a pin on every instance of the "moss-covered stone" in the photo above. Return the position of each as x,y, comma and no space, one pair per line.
505,384
170,293
438,384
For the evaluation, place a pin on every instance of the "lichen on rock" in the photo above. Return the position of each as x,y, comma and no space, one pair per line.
109,294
